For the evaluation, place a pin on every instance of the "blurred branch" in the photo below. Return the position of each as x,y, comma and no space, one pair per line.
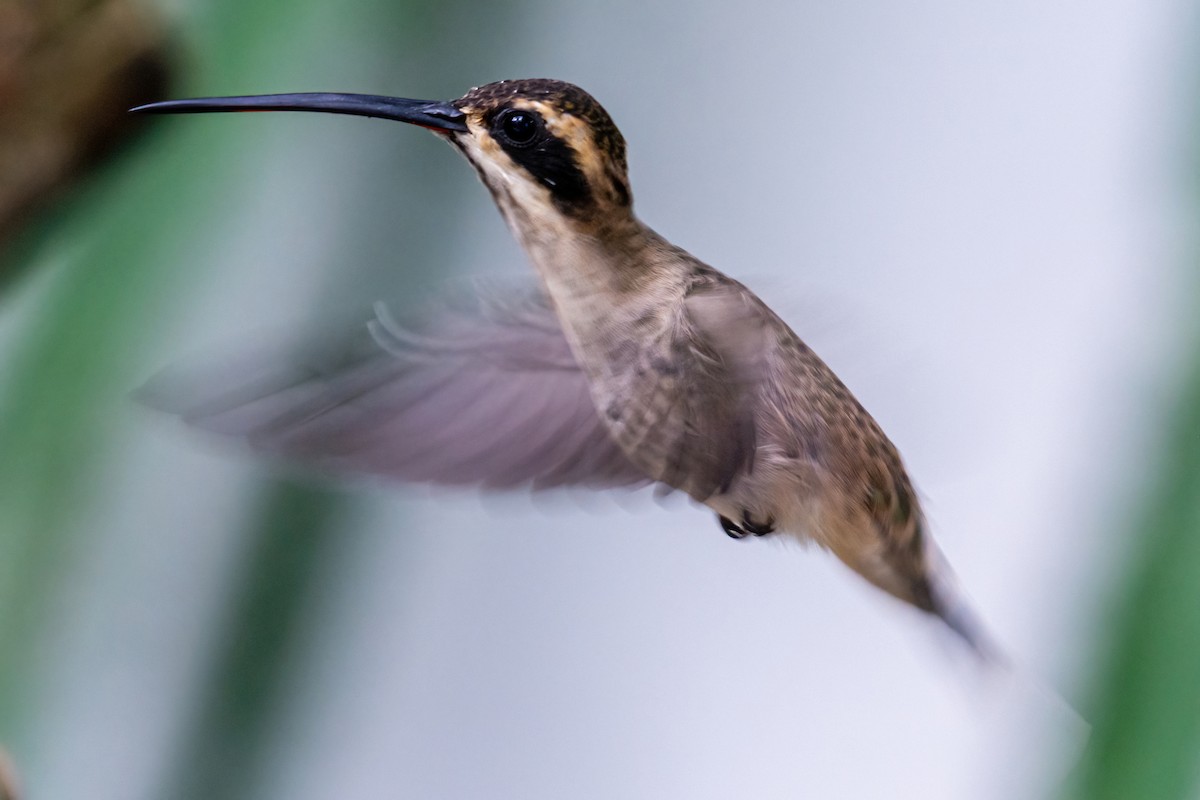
8,778
68,71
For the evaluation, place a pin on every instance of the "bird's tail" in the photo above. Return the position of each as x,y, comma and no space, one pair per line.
946,601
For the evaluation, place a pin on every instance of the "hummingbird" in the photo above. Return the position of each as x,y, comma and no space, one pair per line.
632,362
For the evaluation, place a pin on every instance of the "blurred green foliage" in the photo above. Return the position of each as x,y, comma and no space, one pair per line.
101,275
1145,711
1144,706
293,536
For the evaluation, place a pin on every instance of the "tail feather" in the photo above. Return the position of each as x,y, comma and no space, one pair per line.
948,605
945,600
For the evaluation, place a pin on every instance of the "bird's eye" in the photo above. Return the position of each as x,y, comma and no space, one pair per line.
519,127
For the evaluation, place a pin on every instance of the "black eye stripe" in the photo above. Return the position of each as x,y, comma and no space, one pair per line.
522,134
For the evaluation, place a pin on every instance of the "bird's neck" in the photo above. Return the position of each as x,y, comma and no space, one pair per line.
597,271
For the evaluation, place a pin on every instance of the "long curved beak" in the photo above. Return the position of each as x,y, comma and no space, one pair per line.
431,114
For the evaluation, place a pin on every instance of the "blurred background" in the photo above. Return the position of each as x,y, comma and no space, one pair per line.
983,217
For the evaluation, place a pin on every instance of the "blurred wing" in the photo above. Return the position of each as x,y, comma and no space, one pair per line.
709,435
486,394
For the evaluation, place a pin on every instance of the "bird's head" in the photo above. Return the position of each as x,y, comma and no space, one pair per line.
546,149
541,144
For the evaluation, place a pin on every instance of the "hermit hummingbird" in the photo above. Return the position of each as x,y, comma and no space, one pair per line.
633,362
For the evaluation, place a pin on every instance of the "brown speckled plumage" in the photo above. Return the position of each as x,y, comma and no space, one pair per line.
633,363
704,388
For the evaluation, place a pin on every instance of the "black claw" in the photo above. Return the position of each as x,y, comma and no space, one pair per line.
730,528
757,528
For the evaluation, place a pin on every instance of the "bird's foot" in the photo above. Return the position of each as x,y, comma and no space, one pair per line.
747,527
731,528
757,528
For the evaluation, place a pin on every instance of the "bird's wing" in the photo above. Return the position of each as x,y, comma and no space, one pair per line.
487,393
710,431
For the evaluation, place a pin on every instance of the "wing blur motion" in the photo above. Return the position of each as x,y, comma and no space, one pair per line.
486,393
